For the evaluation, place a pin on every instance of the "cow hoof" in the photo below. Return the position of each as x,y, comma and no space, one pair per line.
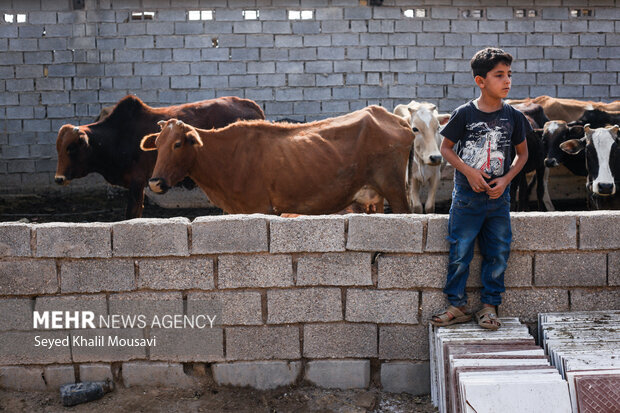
417,209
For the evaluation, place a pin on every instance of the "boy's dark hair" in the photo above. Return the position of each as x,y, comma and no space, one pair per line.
486,59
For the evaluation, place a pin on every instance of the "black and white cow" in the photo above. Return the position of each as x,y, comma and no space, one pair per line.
602,152
555,133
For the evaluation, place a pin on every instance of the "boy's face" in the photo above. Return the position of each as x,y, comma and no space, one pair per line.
497,82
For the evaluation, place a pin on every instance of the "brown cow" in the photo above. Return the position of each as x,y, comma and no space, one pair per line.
111,146
313,168
568,110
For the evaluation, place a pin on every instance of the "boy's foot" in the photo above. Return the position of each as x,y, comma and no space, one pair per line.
451,315
487,318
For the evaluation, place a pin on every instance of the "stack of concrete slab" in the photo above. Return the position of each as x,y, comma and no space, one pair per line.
585,348
477,370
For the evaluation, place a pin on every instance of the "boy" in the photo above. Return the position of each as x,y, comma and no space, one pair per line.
478,141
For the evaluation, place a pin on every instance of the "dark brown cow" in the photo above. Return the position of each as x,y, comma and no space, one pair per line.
111,147
568,110
313,168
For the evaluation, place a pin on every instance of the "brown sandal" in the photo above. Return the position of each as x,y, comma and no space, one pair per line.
487,318
452,315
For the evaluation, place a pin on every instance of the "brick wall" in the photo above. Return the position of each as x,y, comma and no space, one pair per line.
62,66
315,298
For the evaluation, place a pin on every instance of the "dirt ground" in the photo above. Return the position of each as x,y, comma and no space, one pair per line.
224,399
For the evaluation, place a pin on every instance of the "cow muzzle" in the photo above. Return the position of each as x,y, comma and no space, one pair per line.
604,189
158,185
61,180
551,162
434,159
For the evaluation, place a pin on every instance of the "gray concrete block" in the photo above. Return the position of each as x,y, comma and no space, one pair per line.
96,275
229,307
388,233
406,377
382,307
594,299
28,277
56,376
95,372
22,378
613,265
17,314
339,374
544,231
176,274
403,343
187,344
304,305
261,375
95,303
570,269
15,239
594,230
112,351
527,303
141,373
238,271
150,237
73,240
307,234
262,343
340,340
334,269
26,347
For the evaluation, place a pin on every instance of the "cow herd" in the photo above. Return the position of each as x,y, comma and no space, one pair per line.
246,164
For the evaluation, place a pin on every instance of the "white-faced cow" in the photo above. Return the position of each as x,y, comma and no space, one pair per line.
312,168
602,152
426,160
111,146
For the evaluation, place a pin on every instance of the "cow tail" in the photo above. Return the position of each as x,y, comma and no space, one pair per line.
409,175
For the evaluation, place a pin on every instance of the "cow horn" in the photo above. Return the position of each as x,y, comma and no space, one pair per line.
587,129
161,123
76,129
179,123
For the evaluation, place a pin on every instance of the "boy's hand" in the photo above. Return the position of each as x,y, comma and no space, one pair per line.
475,177
497,187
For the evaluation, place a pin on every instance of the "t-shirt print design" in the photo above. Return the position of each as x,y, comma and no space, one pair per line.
484,148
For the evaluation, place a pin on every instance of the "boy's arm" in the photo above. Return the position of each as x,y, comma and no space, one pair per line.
498,185
474,176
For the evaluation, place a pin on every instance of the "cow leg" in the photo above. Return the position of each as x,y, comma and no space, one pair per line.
397,198
135,201
524,198
513,192
544,182
414,193
429,206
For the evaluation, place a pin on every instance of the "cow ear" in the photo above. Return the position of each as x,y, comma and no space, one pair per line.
148,142
576,132
193,138
443,118
573,146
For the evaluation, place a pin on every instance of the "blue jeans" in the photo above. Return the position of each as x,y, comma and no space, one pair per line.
473,215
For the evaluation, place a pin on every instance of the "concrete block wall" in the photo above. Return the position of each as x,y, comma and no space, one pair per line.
336,301
62,65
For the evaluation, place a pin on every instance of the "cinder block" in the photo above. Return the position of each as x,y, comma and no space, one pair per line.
262,343
403,343
187,344
571,269
613,265
176,274
527,303
229,233
95,303
334,269
28,277
141,373
594,230
261,375
388,233
307,234
22,378
396,306
56,376
14,240
112,350
339,374
406,377
304,305
340,340
544,231
229,307
150,237
73,240
97,275
412,271
594,299
239,271
27,347
150,304
95,372
17,314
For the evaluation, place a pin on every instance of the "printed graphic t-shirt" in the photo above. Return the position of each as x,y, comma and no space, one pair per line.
484,140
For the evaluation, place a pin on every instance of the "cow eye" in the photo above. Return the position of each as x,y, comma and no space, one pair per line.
177,144
415,130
